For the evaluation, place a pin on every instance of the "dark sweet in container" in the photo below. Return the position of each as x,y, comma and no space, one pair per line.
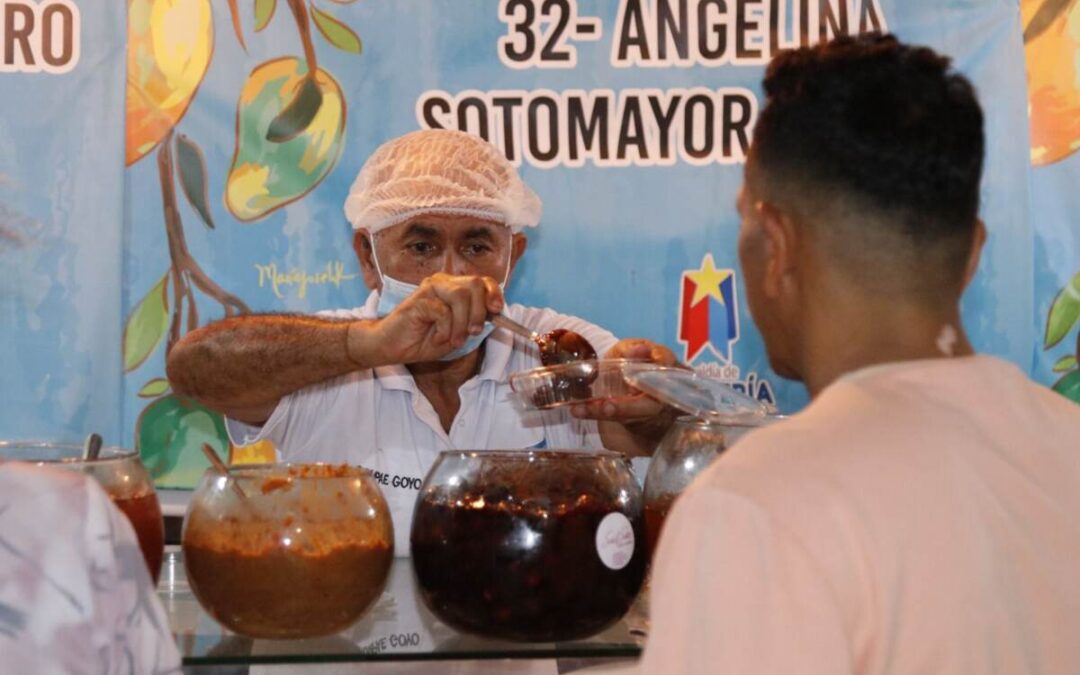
529,545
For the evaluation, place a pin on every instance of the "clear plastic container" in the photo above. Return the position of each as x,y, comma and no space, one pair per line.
536,546
297,551
569,383
124,478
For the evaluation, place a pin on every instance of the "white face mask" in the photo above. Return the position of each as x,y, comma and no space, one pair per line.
394,292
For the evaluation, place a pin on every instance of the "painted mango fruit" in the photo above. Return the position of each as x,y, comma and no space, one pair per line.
1053,67
169,435
265,175
170,43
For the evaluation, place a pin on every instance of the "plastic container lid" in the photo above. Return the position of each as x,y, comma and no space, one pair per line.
699,395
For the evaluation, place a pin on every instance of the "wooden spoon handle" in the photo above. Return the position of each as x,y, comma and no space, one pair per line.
212,455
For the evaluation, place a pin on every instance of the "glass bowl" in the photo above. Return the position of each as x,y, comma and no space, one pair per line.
120,473
691,445
569,383
535,546
302,552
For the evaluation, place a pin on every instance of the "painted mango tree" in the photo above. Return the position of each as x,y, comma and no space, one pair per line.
290,129
1052,51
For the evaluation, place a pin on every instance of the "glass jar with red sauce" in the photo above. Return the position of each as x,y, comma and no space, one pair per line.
287,551
124,478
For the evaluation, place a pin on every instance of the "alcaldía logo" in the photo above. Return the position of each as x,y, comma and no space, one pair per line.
709,327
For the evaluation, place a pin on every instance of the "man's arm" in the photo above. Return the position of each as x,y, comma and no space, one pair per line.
243,366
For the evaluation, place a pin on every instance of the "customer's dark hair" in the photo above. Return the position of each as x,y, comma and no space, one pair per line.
889,124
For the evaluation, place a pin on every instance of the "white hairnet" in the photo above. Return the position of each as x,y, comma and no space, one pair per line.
439,171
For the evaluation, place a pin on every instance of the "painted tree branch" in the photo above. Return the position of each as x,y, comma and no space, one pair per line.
185,271
299,11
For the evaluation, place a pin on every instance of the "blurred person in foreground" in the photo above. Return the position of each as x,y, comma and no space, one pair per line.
922,514
75,594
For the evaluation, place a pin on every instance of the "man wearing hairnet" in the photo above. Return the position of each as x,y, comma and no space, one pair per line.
439,217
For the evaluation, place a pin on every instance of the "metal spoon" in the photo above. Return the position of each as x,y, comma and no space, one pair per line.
91,447
505,322
558,346
212,455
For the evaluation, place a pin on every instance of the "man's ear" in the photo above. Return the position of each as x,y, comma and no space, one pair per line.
781,234
362,245
975,254
518,243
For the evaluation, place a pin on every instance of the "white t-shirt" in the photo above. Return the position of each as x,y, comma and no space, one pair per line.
378,419
75,595
918,517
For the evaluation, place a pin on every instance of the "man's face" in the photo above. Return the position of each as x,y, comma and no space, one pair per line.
765,297
458,245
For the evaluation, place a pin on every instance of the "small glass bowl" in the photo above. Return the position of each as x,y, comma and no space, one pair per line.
568,383
120,472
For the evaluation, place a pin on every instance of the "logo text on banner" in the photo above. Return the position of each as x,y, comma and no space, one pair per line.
38,37
640,126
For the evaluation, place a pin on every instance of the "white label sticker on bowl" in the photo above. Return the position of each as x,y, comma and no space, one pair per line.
615,541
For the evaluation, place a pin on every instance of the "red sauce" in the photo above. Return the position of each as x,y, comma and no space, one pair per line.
656,513
144,512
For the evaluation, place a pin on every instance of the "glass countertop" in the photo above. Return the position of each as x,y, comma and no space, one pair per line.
398,627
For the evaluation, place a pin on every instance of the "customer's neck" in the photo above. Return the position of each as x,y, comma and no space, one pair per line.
854,335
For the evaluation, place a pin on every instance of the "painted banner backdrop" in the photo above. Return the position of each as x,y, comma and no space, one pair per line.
630,118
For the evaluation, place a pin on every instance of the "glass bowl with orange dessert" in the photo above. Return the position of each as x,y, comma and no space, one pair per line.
287,551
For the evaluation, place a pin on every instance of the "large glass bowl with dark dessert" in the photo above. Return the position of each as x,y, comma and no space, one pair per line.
529,545
124,478
287,550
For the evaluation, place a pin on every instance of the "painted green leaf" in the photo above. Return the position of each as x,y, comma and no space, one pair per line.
192,165
169,436
297,115
264,11
1064,313
336,32
146,326
1065,363
1069,386
154,388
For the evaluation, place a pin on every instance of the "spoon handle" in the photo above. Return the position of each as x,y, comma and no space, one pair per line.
92,447
212,455
505,322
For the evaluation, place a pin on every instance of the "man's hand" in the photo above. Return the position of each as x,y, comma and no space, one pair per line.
436,319
632,424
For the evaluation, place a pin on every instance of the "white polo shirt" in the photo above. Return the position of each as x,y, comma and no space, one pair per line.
378,418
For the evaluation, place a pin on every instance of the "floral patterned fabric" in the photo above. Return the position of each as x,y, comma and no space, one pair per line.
75,595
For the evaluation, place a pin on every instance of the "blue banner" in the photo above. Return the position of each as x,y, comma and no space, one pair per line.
630,119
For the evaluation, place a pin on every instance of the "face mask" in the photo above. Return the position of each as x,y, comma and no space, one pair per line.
394,292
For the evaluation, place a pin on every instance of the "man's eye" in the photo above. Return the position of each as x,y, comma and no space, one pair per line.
422,248
477,249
